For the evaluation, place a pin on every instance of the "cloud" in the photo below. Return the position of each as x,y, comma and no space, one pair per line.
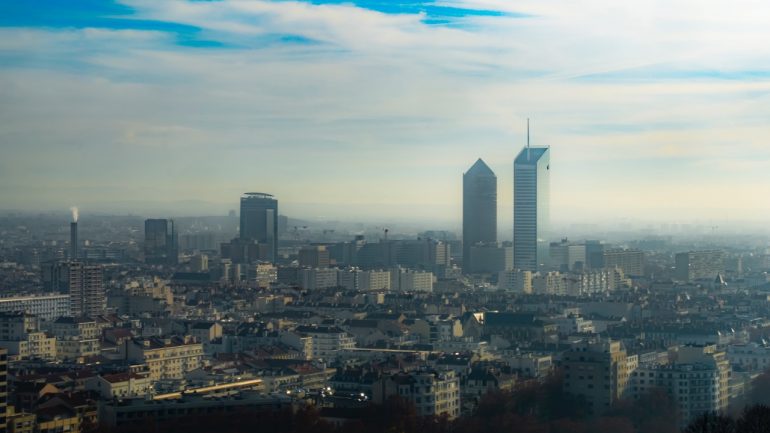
356,101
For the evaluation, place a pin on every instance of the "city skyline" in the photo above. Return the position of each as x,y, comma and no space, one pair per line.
390,109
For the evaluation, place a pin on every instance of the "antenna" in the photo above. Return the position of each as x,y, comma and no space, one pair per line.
527,138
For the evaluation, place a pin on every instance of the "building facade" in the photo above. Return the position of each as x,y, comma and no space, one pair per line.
479,210
160,242
259,221
531,210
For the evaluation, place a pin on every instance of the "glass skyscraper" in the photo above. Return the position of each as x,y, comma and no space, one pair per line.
160,242
479,209
531,213
259,220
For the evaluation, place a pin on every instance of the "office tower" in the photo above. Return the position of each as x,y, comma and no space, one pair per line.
531,213
74,240
259,221
86,288
699,265
160,242
479,210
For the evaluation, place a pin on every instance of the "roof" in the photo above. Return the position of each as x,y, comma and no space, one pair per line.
530,155
510,319
480,168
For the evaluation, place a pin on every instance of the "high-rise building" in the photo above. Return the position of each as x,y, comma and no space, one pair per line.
259,221
699,265
479,210
160,242
86,288
531,210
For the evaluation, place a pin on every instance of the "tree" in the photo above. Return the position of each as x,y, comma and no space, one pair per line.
711,422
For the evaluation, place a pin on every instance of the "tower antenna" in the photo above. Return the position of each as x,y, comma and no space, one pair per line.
527,138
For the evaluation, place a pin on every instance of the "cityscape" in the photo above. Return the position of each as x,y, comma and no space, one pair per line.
202,230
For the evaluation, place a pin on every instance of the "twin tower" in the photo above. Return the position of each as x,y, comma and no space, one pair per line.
531,186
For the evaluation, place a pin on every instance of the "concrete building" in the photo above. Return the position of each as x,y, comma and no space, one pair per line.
699,265
318,278
433,393
86,289
490,259
565,256
264,274
120,385
356,279
406,280
327,340
515,281
168,358
531,208
550,283
316,256
479,210
749,357
597,371
696,379
631,261
259,221
45,306
20,335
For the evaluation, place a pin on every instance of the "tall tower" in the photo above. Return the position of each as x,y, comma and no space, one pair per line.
160,242
259,221
479,209
531,210
74,240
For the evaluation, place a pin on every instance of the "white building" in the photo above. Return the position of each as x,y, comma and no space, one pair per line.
749,357
47,307
407,280
21,336
433,393
357,279
516,281
327,340
318,278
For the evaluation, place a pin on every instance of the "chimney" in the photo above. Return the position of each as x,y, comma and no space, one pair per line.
73,240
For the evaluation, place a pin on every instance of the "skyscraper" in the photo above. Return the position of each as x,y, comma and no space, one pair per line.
479,209
531,214
259,221
160,242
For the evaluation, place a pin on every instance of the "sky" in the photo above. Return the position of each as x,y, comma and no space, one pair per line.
653,109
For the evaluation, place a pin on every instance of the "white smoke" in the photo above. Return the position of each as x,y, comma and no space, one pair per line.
75,213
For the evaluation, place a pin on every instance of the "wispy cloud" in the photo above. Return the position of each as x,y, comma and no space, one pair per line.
202,100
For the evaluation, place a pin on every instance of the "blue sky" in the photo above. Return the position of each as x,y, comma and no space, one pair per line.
360,109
